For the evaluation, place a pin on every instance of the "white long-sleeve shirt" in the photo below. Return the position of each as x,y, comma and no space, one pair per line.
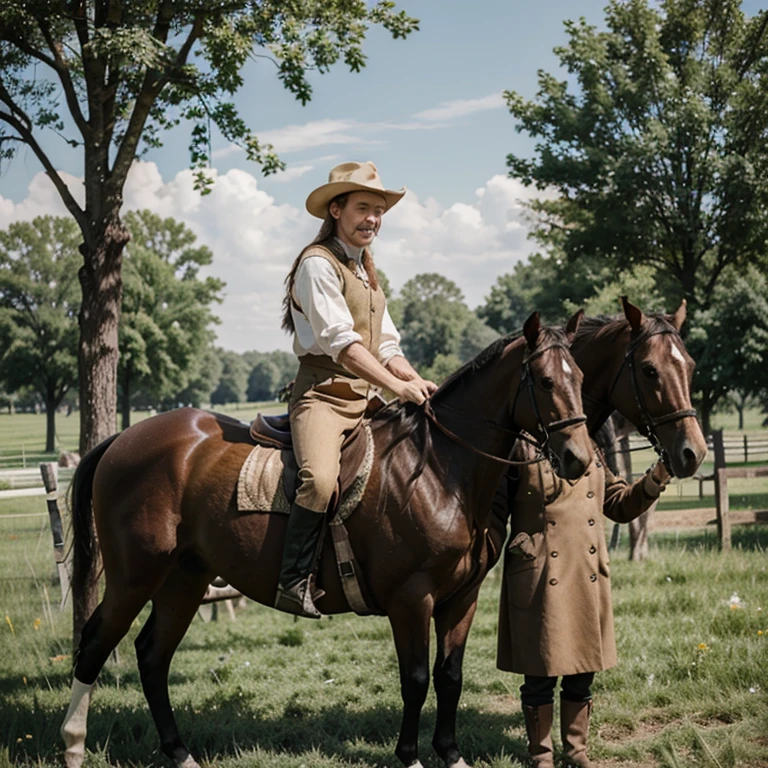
324,326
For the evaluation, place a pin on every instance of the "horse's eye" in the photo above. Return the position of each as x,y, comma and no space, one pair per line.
547,383
650,371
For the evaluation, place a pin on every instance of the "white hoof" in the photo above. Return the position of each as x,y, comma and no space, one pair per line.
458,764
189,762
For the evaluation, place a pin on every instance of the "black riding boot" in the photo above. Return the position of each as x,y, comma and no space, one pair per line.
302,537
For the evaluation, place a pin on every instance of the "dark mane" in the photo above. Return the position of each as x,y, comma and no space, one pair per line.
609,328
490,353
409,421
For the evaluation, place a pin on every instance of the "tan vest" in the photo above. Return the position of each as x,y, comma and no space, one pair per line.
366,306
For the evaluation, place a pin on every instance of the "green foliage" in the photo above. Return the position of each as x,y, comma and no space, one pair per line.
269,373
165,324
434,321
161,64
39,304
654,141
233,380
729,340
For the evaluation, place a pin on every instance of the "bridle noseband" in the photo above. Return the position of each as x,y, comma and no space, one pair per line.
647,428
542,447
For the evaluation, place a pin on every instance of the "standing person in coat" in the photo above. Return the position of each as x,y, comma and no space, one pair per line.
347,344
556,616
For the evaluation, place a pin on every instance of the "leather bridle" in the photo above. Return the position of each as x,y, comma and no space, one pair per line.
647,427
542,447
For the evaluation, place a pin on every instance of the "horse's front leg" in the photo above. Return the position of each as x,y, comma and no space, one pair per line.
409,616
452,623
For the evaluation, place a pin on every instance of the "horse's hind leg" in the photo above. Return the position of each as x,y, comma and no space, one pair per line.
173,608
102,632
452,623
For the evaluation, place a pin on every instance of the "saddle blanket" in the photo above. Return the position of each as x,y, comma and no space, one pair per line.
267,481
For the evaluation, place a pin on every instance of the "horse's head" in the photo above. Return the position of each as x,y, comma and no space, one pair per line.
641,366
547,402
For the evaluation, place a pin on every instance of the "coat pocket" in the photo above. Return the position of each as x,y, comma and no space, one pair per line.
523,564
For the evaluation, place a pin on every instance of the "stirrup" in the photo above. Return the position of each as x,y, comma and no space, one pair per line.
298,599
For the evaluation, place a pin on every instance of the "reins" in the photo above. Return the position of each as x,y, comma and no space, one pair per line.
542,447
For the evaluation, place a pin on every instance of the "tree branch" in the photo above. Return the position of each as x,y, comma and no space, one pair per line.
149,92
25,135
62,70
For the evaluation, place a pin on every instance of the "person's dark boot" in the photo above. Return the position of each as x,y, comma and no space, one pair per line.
295,593
574,728
538,725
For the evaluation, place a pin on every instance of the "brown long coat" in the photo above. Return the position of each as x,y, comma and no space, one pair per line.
556,616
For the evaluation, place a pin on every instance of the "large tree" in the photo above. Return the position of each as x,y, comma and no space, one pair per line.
655,141
729,341
166,315
39,302
112,76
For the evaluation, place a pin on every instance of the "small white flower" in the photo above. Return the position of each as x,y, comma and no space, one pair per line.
328,681
753,689
669,578
247,664
651,678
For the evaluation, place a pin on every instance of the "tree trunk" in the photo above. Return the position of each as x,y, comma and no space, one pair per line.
50,424
126,404
740,409
102,286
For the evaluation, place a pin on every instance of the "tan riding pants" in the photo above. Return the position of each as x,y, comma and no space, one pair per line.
321,418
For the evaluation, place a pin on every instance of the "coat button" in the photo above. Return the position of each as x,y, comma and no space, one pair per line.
591,521
592,550
554,554
593,577
552,522
590,494
553,582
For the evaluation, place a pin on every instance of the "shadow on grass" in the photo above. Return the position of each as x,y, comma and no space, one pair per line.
359,737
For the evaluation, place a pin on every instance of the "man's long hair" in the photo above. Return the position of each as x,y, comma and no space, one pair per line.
327,238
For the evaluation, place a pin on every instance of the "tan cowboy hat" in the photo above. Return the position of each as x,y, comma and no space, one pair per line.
350,177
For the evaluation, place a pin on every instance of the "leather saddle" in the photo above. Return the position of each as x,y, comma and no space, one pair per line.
275,432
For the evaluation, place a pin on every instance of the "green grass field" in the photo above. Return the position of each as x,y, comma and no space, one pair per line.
271,691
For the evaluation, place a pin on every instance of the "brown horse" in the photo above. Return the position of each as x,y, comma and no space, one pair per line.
638,366
162,495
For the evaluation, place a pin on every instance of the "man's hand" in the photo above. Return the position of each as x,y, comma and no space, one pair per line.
401,368
414,391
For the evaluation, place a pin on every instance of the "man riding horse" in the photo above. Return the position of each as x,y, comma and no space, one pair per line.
347,344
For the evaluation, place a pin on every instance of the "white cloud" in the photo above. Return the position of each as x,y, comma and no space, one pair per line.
254,239
294,172
460,107
317,133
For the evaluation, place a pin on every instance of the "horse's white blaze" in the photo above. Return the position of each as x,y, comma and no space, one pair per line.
566,367
74,726
676,353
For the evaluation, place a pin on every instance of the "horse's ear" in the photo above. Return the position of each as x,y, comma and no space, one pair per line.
632,313
678,318
531,330
572,327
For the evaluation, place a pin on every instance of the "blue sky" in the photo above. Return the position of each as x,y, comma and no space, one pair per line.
427,110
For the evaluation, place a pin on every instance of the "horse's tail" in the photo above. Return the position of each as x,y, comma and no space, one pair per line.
84,538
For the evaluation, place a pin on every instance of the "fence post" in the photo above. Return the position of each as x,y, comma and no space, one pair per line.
721,491
50,473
